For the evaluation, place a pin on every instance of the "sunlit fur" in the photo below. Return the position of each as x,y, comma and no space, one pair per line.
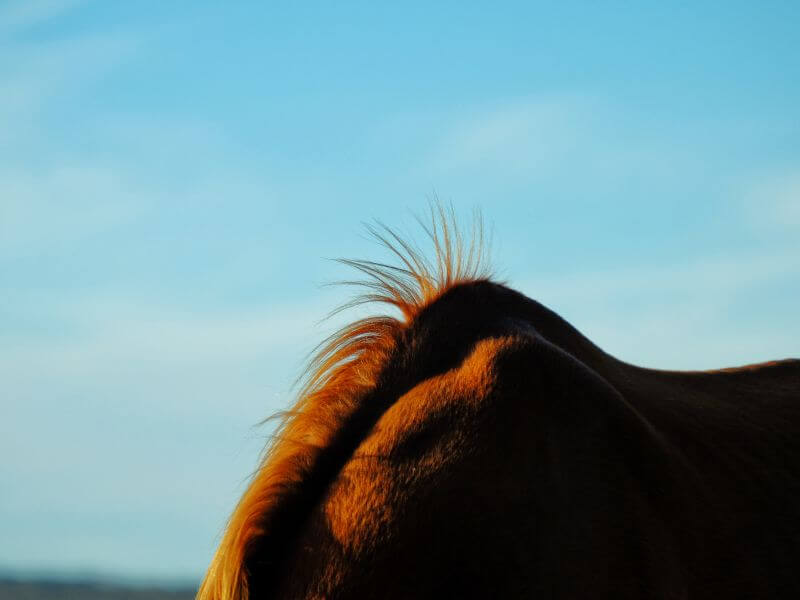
478,445
344,365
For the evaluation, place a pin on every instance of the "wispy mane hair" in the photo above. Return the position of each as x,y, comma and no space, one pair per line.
339,372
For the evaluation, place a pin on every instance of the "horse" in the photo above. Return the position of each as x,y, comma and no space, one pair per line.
477,445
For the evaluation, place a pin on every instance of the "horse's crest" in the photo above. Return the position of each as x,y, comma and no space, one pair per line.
477,445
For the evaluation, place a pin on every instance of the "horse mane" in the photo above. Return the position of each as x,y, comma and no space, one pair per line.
340,371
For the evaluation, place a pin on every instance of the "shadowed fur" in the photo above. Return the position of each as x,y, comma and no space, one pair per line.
480,446
339,373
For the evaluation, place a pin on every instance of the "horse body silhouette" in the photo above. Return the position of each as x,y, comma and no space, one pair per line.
480,446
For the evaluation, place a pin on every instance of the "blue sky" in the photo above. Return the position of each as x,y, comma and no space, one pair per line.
174,177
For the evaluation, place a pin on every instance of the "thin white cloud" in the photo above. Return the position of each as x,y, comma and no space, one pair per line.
22,14
122,332
773,200
35,76
141,404
568,136
677,316
48,207
49,195
516,136
718,275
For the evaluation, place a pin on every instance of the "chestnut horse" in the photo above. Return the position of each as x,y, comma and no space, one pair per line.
479,446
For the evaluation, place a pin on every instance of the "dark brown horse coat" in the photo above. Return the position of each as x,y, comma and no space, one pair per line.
482,447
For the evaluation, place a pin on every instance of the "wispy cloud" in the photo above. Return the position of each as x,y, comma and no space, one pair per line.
45,208
680,315
131,407
36,75
128,329
523,135
718,275
49,194
554,136
773,200
18,15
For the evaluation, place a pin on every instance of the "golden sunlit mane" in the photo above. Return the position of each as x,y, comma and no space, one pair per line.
343,368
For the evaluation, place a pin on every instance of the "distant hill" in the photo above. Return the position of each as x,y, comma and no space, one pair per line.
13,589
